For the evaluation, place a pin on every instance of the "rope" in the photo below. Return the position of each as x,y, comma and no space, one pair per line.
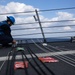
39,60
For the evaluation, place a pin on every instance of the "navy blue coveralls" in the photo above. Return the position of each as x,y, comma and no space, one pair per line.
5,33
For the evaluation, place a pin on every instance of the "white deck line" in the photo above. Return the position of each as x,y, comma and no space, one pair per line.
41,54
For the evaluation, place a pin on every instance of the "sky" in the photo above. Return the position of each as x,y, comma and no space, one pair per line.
10,6
43,4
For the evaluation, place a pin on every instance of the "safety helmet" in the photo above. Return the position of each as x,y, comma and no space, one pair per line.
11,18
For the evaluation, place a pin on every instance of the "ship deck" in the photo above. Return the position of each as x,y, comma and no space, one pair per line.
64,52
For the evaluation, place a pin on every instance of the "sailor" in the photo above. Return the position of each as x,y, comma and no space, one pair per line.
5,31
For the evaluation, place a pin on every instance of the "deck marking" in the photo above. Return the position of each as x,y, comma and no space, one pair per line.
41,55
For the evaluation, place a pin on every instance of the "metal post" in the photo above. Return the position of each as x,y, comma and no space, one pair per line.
38,19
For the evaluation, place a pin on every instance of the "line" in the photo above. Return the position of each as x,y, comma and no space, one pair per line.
41,55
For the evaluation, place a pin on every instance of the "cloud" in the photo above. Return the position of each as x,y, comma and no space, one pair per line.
67,28
64,16
28,17
18,7
13,7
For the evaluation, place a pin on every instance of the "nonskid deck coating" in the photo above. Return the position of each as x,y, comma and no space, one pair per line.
63,67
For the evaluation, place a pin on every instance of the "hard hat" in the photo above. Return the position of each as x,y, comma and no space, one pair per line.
11,18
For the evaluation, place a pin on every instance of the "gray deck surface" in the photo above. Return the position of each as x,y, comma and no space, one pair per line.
62,51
